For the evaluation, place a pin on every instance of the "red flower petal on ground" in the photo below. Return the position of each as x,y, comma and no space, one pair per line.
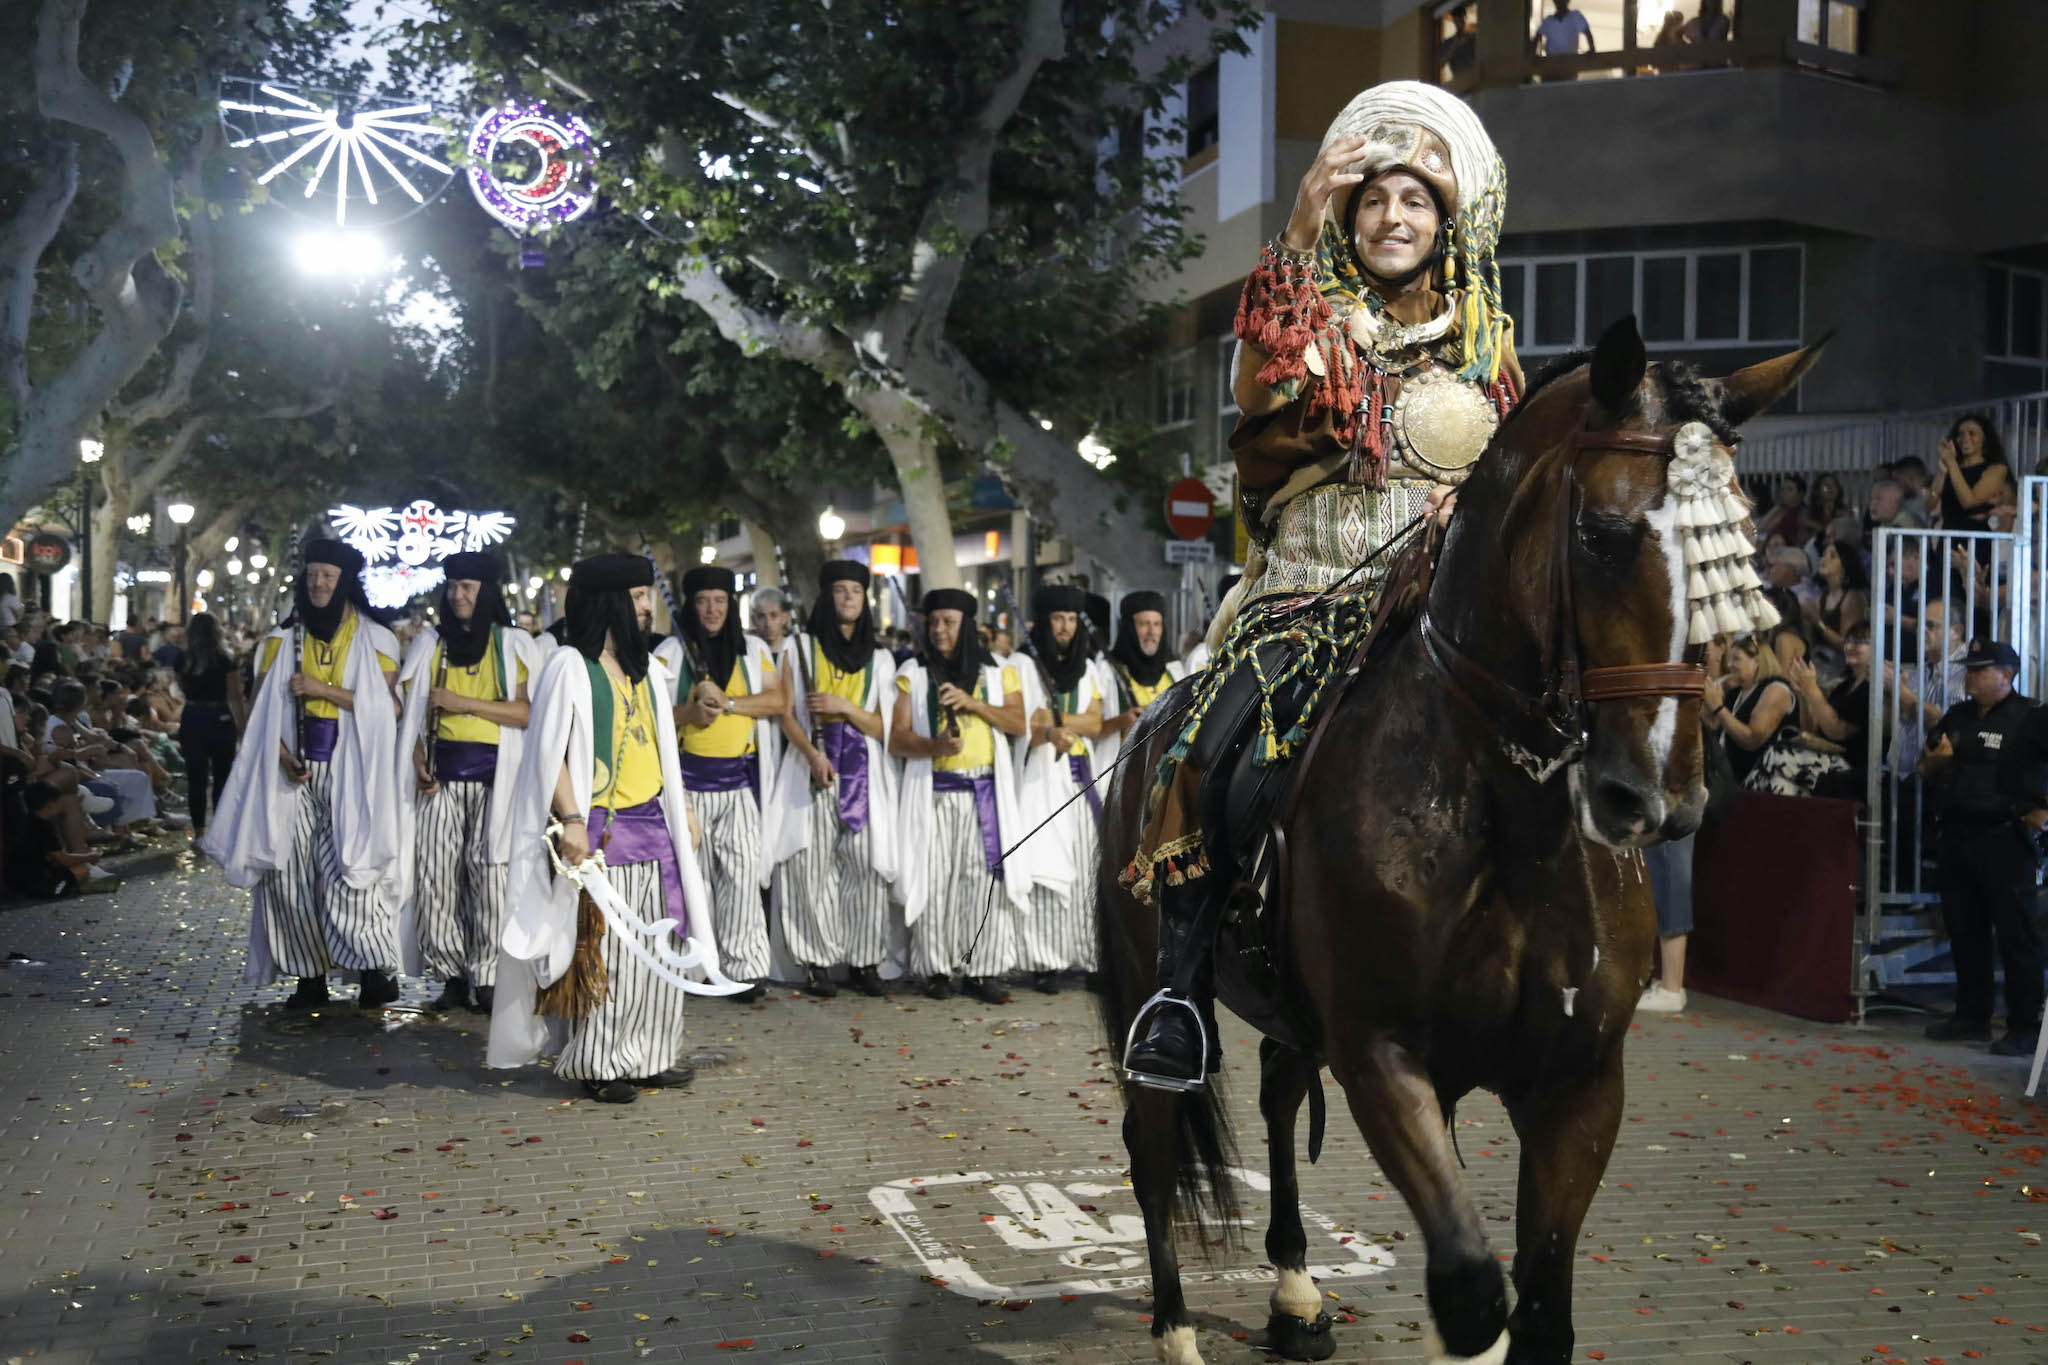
383,1215
579,1337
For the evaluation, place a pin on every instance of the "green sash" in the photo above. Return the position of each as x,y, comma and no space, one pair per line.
604,742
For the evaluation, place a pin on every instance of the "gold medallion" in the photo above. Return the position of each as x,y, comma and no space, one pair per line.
1443,423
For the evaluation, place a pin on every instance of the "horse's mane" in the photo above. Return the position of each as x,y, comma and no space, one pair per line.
1686,395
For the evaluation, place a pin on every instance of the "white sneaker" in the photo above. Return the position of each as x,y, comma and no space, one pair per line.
93,803
1661,999
95,873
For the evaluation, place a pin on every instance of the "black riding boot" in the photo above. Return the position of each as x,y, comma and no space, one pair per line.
1170,1040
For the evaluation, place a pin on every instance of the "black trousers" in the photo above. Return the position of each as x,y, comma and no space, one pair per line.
206,737
1987,897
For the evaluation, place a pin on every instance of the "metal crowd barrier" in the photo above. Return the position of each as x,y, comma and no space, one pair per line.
1991,583
1852,450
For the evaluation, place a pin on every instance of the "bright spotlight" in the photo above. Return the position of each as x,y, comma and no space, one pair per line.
204,578
708,555
350,254
831,525
232,544
257,561
234,566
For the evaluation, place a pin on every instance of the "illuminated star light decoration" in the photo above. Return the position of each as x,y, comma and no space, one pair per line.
355,149
558,191
403,548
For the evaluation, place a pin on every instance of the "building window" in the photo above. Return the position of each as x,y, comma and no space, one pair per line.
1173,401
1226,395
2014,313
1588,26
1203,125
1836,25
1457,39
1724,297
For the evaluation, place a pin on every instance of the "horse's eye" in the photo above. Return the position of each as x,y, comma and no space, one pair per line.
1612,543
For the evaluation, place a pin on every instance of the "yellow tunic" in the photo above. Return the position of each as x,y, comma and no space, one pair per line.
481,681
324,660
1143,696
977,736
732,734
637,759
826,677
1069,704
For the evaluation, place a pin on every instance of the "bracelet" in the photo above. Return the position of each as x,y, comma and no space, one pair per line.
571,820
1288,253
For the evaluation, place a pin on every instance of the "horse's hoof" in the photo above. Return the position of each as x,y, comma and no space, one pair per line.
1299,1339
1176,1346
1439,1354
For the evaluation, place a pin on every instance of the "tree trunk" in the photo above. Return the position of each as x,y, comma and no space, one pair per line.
902,427
109,520
767,568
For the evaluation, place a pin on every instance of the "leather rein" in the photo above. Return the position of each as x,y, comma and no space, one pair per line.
1543,733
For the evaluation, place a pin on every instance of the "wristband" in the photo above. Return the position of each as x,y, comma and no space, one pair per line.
571,819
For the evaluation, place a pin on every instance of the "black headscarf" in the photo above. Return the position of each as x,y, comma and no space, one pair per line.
600,604
322,622
1096,619
1145,669
464,643
963,666
715,654
848,654
1064,665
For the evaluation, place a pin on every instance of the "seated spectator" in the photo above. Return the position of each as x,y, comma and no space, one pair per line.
38,863
68,735
1841,716
1911,473
1844,598
132,644
47,639
1709,26
166,702
1787,518
1887,510
171,653
1788,638
1826,503
1751,704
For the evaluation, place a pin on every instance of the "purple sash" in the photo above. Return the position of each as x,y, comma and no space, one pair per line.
1084,776
984,788
317,737
465,760
639,834
702,773
847,749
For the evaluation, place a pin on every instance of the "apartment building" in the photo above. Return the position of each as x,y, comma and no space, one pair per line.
1870,167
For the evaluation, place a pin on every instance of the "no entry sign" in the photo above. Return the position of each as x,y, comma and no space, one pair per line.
1189,509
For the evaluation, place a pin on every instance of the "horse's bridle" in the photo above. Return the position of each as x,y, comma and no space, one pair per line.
1544,733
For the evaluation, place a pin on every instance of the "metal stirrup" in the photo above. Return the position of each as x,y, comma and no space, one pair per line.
1160,999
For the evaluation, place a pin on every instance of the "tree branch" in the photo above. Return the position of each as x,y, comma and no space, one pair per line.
22,246
959,213
148,216
751,329
830,172
176,388
164,463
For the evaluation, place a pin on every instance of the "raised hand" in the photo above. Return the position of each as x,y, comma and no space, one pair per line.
1326,175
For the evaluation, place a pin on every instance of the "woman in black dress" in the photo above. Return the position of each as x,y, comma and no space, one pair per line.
1973,474
212,719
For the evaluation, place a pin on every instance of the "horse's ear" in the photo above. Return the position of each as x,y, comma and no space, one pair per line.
1753,389
1619,362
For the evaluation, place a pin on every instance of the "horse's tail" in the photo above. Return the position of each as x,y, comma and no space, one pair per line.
1204,1151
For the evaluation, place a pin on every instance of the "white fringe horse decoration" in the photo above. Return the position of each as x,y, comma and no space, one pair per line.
1723,592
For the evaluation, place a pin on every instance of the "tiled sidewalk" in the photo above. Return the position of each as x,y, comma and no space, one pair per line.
1781,1192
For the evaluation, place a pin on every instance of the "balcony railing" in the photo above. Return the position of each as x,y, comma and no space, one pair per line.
1672,59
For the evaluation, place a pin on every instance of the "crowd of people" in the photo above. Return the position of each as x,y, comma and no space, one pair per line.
1788,711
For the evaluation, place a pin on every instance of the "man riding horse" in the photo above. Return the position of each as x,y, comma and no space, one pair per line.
1375,361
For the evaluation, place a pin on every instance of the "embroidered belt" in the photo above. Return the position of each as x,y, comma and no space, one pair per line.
1323,533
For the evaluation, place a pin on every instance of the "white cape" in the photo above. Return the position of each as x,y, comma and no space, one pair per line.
793,782
914,823
415,680
539,938
1047,785
254,824
1107,747
767,736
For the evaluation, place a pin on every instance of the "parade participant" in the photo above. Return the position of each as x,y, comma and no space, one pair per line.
310,815
728,701
600,760
1375,361
1140,665
464,689
958,809
837,789
1065,704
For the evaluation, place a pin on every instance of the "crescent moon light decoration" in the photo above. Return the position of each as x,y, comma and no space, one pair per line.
556,192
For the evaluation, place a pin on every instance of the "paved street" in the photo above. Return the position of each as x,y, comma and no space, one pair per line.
898,1181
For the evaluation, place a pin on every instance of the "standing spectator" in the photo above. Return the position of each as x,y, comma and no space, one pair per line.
1711,26
132,644
1670,865
1940,680
1987,859
214,714
1457,48
1842,715
10,602
1973,473
1763,704
171,653
1559,33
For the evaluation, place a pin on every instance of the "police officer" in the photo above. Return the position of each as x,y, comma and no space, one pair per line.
1987,855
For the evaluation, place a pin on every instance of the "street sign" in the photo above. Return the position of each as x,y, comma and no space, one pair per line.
1190,510
1190,552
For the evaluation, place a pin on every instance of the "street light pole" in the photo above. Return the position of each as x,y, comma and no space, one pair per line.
180,512
89,452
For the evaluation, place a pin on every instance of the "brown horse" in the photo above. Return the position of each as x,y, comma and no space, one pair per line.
1465,901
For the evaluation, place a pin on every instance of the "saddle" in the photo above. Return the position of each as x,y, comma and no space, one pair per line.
1245,808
